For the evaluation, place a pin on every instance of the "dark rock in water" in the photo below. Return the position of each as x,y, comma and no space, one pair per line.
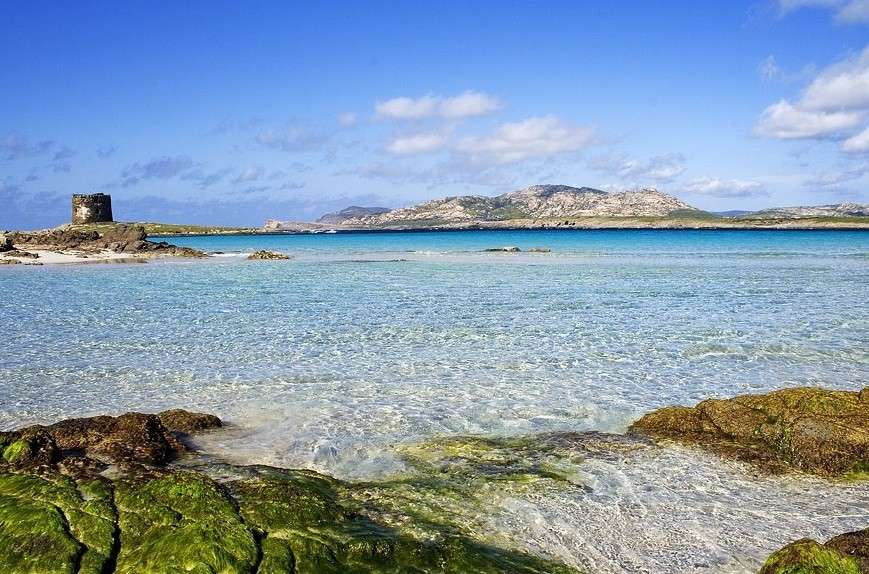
845,554
263,254
179,420
509,249
809,429
22,254
131,437
154,518
9,262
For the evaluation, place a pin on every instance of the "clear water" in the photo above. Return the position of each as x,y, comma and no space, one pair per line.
367,340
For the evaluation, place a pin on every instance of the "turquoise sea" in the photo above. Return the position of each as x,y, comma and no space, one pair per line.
366,341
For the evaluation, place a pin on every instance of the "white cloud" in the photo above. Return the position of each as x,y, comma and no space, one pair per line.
858,143
844,86
347,120
833,106
534,137
731,188
469,104
854,12
662,168
417,143
844,11
784,120
465,105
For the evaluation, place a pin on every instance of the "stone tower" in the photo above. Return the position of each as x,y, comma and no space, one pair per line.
94,208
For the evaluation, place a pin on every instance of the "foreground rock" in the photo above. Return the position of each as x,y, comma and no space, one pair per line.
845,554
263,254
60,511
808,429
118,238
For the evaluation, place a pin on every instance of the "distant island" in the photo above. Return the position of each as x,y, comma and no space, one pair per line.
562,206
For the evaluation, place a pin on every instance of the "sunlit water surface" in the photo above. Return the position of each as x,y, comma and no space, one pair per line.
368,340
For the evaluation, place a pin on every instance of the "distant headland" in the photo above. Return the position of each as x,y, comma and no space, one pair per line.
566,207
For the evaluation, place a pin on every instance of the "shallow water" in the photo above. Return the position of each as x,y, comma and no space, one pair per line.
367,340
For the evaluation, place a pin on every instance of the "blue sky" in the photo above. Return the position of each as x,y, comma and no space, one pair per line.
231,113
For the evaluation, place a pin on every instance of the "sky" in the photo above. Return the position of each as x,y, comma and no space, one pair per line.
232,113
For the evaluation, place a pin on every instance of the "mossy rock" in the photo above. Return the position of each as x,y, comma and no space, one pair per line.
808,429
181,522
844,554
54,524
309,523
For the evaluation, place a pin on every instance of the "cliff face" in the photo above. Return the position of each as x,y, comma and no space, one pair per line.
535,202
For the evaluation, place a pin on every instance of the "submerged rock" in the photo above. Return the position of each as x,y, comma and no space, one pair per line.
263,254
149,517
508,249
845,554
808,429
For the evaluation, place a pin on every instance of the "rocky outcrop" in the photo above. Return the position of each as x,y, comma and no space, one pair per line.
120,238
845,554
807,429
131,438
62,515
263,254
5,242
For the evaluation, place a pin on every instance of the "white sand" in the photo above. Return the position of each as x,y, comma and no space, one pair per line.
68,256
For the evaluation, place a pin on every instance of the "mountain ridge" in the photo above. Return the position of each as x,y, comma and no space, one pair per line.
533,202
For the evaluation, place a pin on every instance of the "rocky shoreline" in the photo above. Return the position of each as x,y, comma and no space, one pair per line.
130,494
72,244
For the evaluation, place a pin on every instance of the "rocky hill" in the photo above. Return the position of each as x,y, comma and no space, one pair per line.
351,212
834,210
532,203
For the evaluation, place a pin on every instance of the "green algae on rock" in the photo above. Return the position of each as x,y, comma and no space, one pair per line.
53,523
807,429
845,554
62,513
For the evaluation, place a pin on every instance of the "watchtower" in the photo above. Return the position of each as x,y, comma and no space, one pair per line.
94,208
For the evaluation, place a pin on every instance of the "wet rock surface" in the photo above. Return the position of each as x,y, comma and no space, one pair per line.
812,430
844,554
120,238
62,510
263,254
